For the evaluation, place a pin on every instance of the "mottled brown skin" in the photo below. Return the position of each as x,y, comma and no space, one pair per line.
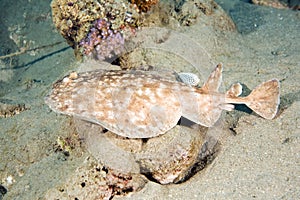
140,104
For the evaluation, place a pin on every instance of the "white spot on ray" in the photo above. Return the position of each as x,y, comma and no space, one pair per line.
147,91
189,78
140,92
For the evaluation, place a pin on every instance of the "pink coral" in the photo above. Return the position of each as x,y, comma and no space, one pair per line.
102,42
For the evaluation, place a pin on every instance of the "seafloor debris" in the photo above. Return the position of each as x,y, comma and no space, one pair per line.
95,181
8,109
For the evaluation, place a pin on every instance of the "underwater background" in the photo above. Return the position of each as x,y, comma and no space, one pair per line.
42,155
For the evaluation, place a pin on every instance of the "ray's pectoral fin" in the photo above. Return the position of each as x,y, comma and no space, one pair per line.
264,99
214,80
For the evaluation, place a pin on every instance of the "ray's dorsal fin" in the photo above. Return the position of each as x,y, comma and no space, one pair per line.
208,103
214,80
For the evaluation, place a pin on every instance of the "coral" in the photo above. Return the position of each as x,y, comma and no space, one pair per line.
76,21
102,41
73,19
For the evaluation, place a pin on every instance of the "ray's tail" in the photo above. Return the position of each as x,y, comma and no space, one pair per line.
264,99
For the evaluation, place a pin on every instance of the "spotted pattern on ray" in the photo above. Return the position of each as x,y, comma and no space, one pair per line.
145,107
143,104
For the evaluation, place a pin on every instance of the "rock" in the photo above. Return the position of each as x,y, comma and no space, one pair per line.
169,158
104,147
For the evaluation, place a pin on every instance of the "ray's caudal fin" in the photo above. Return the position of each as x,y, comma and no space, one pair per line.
264,99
